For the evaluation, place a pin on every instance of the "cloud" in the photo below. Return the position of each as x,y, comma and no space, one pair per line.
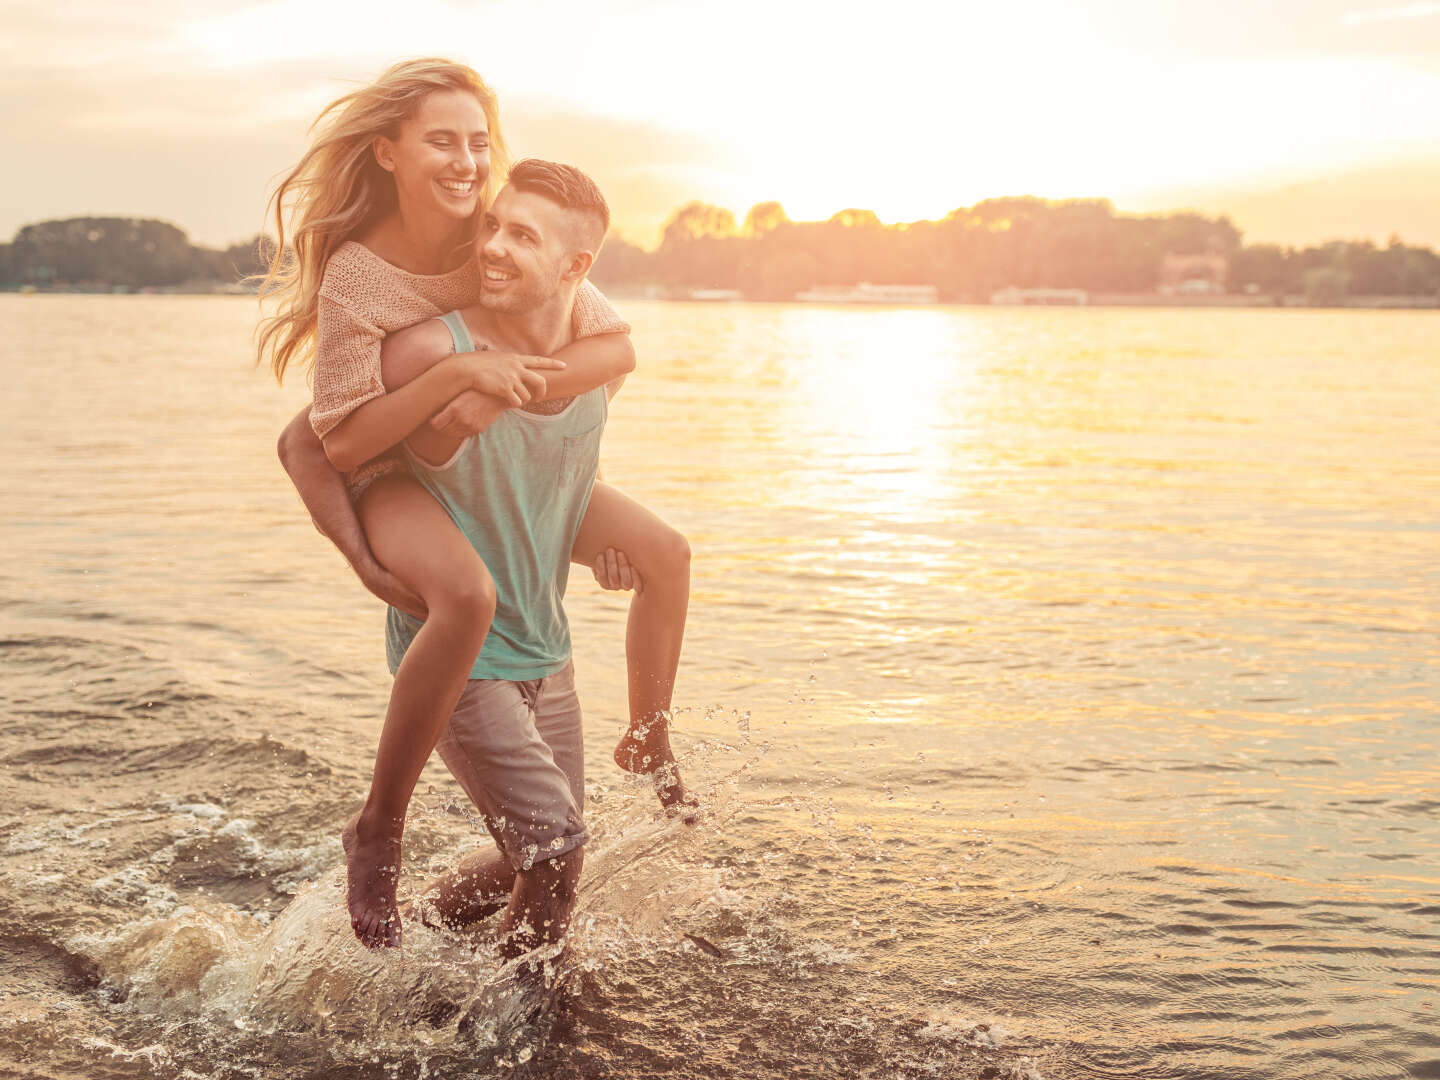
645,170
176,109
201,149
1370,202
91,34
180,109
1409,11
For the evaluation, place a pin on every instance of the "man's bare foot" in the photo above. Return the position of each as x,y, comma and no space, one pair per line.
372,870
675,797
645,749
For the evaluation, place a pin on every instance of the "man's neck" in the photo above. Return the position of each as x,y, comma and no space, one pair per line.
541,331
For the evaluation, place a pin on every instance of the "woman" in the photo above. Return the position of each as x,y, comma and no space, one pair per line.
383,210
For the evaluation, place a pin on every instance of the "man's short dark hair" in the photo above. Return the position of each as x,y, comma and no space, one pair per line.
565,186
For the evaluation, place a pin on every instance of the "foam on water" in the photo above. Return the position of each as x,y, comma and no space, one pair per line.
305,977
190,983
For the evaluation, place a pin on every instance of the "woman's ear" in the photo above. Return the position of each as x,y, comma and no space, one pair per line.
384,151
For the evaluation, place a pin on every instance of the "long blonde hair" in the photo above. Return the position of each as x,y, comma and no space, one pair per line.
338,190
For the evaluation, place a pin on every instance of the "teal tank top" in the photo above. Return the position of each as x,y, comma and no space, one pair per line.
518,492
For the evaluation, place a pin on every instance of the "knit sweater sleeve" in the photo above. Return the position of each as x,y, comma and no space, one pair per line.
347,360
593,314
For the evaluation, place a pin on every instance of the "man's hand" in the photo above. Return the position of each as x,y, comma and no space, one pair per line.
391,589
614,572
469,414
511,377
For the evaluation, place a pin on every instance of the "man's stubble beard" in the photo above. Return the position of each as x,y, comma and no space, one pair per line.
530,296
506,304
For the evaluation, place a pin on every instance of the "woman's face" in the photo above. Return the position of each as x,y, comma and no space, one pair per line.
441,158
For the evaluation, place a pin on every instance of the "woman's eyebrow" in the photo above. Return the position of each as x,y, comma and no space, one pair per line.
482,133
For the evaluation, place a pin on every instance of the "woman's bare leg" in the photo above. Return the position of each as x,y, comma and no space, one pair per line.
655,630
414,538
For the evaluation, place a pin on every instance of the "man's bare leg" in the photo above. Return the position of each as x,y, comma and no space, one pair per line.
540,904
479,886
654,632
537,902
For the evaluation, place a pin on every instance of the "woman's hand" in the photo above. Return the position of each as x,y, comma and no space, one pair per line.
469,414
614,572
511,377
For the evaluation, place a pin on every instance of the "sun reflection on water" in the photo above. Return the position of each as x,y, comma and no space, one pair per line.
884,393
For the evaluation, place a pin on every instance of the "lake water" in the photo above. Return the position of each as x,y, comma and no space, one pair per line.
1061,685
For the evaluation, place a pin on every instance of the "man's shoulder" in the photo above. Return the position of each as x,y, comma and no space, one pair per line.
480,322
423,339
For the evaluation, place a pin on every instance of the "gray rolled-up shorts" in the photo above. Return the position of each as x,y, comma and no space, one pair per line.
518,751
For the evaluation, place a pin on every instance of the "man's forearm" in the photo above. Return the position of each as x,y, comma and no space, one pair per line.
323,492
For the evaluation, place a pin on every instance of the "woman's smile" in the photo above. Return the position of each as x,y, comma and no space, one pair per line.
461,188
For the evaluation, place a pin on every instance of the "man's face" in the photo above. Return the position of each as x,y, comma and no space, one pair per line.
524,247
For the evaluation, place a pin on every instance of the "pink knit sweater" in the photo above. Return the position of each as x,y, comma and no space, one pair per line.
363,298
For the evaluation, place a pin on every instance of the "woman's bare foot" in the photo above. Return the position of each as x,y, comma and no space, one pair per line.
372,870
645,749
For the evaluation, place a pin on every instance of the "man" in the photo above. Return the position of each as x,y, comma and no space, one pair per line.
518,490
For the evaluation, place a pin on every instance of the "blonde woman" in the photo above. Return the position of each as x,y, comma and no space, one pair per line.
382,212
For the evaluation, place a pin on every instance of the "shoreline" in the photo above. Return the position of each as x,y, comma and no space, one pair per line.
1101,299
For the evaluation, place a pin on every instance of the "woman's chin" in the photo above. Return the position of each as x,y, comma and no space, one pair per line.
458,207
460,211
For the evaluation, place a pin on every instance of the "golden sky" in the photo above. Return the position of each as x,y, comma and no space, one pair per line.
1305,119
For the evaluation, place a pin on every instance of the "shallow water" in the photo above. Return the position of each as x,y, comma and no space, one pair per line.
1061,683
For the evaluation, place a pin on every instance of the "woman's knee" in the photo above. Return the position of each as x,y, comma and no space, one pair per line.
465,595
672,555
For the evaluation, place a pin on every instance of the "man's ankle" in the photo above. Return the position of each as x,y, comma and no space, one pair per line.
373,824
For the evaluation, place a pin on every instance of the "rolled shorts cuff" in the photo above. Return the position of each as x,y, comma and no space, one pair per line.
525,854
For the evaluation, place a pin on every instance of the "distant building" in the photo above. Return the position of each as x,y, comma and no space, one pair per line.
716,294
1193,274
1062,297
866,293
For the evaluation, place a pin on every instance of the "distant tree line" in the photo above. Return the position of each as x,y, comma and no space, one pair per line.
121,253
970,253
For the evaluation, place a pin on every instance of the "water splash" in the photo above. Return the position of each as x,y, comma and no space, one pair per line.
233,982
